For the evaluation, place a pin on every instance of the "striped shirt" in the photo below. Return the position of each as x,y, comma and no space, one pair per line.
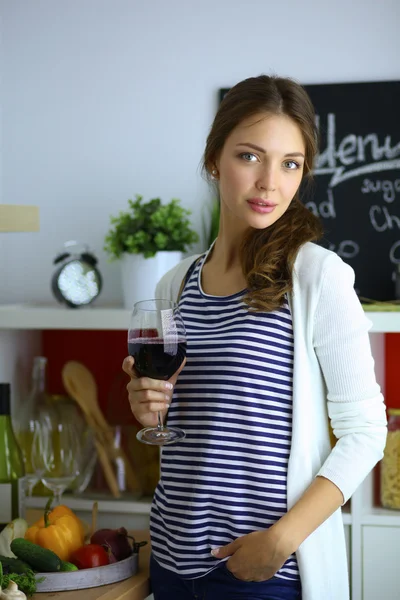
228,476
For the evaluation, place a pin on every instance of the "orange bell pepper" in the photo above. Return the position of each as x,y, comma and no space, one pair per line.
59,530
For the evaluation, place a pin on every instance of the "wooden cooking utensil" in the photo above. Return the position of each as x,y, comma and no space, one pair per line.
84,384
94,519
98,439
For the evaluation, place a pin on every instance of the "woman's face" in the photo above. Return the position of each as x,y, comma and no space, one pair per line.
259,170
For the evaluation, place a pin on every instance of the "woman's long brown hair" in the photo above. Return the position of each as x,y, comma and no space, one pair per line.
268,255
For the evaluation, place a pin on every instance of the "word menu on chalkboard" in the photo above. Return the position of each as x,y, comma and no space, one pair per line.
357,179
356,190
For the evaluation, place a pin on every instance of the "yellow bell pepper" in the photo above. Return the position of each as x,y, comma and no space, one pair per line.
59,530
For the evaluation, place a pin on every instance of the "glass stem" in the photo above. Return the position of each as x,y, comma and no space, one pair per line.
160,426
31,485
58,492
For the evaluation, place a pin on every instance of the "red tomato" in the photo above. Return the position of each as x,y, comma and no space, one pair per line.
91,555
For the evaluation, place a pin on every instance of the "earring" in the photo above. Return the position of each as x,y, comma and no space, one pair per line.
214,173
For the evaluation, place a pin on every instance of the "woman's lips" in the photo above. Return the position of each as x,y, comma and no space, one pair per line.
261,206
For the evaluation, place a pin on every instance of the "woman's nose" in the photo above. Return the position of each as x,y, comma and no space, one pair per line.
267,179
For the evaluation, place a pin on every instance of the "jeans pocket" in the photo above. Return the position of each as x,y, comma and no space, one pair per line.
229,573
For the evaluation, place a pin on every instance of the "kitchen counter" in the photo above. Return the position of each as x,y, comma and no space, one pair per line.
134,588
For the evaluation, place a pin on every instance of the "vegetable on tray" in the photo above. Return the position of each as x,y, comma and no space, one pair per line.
40,559
59,530
14,565
67,566
17,586
116,542
12,592
89,556
16,529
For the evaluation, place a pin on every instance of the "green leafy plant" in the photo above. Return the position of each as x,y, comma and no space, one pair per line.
148,227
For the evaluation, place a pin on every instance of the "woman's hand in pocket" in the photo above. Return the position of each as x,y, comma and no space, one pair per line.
256,556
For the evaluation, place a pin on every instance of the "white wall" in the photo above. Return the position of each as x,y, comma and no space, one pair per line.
102,99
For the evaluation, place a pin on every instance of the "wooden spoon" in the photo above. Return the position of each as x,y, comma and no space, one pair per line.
85,384
82,384
98,440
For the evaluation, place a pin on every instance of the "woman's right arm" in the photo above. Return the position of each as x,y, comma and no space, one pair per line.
148,396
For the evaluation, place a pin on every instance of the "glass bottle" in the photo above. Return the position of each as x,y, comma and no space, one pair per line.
12,470
36,410
390,465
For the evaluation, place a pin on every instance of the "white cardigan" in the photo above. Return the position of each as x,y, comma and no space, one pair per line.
333,375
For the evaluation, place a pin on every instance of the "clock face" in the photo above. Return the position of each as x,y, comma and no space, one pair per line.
79,283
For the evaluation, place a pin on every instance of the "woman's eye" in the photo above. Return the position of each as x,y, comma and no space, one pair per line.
291,164
248,156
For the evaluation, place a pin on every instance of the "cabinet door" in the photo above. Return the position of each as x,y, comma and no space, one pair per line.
381,572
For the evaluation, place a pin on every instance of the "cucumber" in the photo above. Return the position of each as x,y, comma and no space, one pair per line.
14,565
67,566
40,559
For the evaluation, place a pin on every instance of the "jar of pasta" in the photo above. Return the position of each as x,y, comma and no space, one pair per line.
390,465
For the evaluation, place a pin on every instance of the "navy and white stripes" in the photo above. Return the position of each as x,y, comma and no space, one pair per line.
234,400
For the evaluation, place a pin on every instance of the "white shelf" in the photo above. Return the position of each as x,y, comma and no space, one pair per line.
25,316
384,322
123,506
105,505
381,517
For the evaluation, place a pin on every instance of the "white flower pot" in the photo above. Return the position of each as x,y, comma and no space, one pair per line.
140,275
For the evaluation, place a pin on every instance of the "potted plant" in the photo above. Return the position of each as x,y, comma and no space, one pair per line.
148,239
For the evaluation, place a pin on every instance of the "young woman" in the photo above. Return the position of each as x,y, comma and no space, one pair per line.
248,505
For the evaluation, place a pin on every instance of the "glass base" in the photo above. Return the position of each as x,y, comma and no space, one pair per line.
160,437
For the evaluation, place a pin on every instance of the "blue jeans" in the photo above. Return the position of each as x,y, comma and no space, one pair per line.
220,584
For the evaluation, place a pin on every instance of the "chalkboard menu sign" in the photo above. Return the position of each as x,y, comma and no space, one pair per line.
357,190
357,179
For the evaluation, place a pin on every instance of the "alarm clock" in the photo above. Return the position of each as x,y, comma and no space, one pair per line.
76,281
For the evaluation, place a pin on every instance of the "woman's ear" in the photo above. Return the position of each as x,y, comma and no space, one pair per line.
214,173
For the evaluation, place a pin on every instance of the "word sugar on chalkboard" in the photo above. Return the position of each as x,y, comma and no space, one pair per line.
356,192
357,179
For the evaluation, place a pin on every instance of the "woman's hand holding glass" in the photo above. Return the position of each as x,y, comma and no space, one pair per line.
148,397
157,343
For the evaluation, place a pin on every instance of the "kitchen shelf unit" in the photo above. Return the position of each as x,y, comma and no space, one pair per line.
53,316
105,503
125,512
365,524
21,316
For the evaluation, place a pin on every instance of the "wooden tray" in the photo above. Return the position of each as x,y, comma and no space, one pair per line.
88,578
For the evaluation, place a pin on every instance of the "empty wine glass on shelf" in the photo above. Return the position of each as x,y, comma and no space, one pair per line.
60,458
31,442
157,342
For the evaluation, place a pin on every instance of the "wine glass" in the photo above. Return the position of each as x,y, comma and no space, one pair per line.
31,444
157,342
61,456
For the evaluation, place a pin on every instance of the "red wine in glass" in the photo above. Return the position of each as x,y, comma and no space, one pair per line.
157,342
152,358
